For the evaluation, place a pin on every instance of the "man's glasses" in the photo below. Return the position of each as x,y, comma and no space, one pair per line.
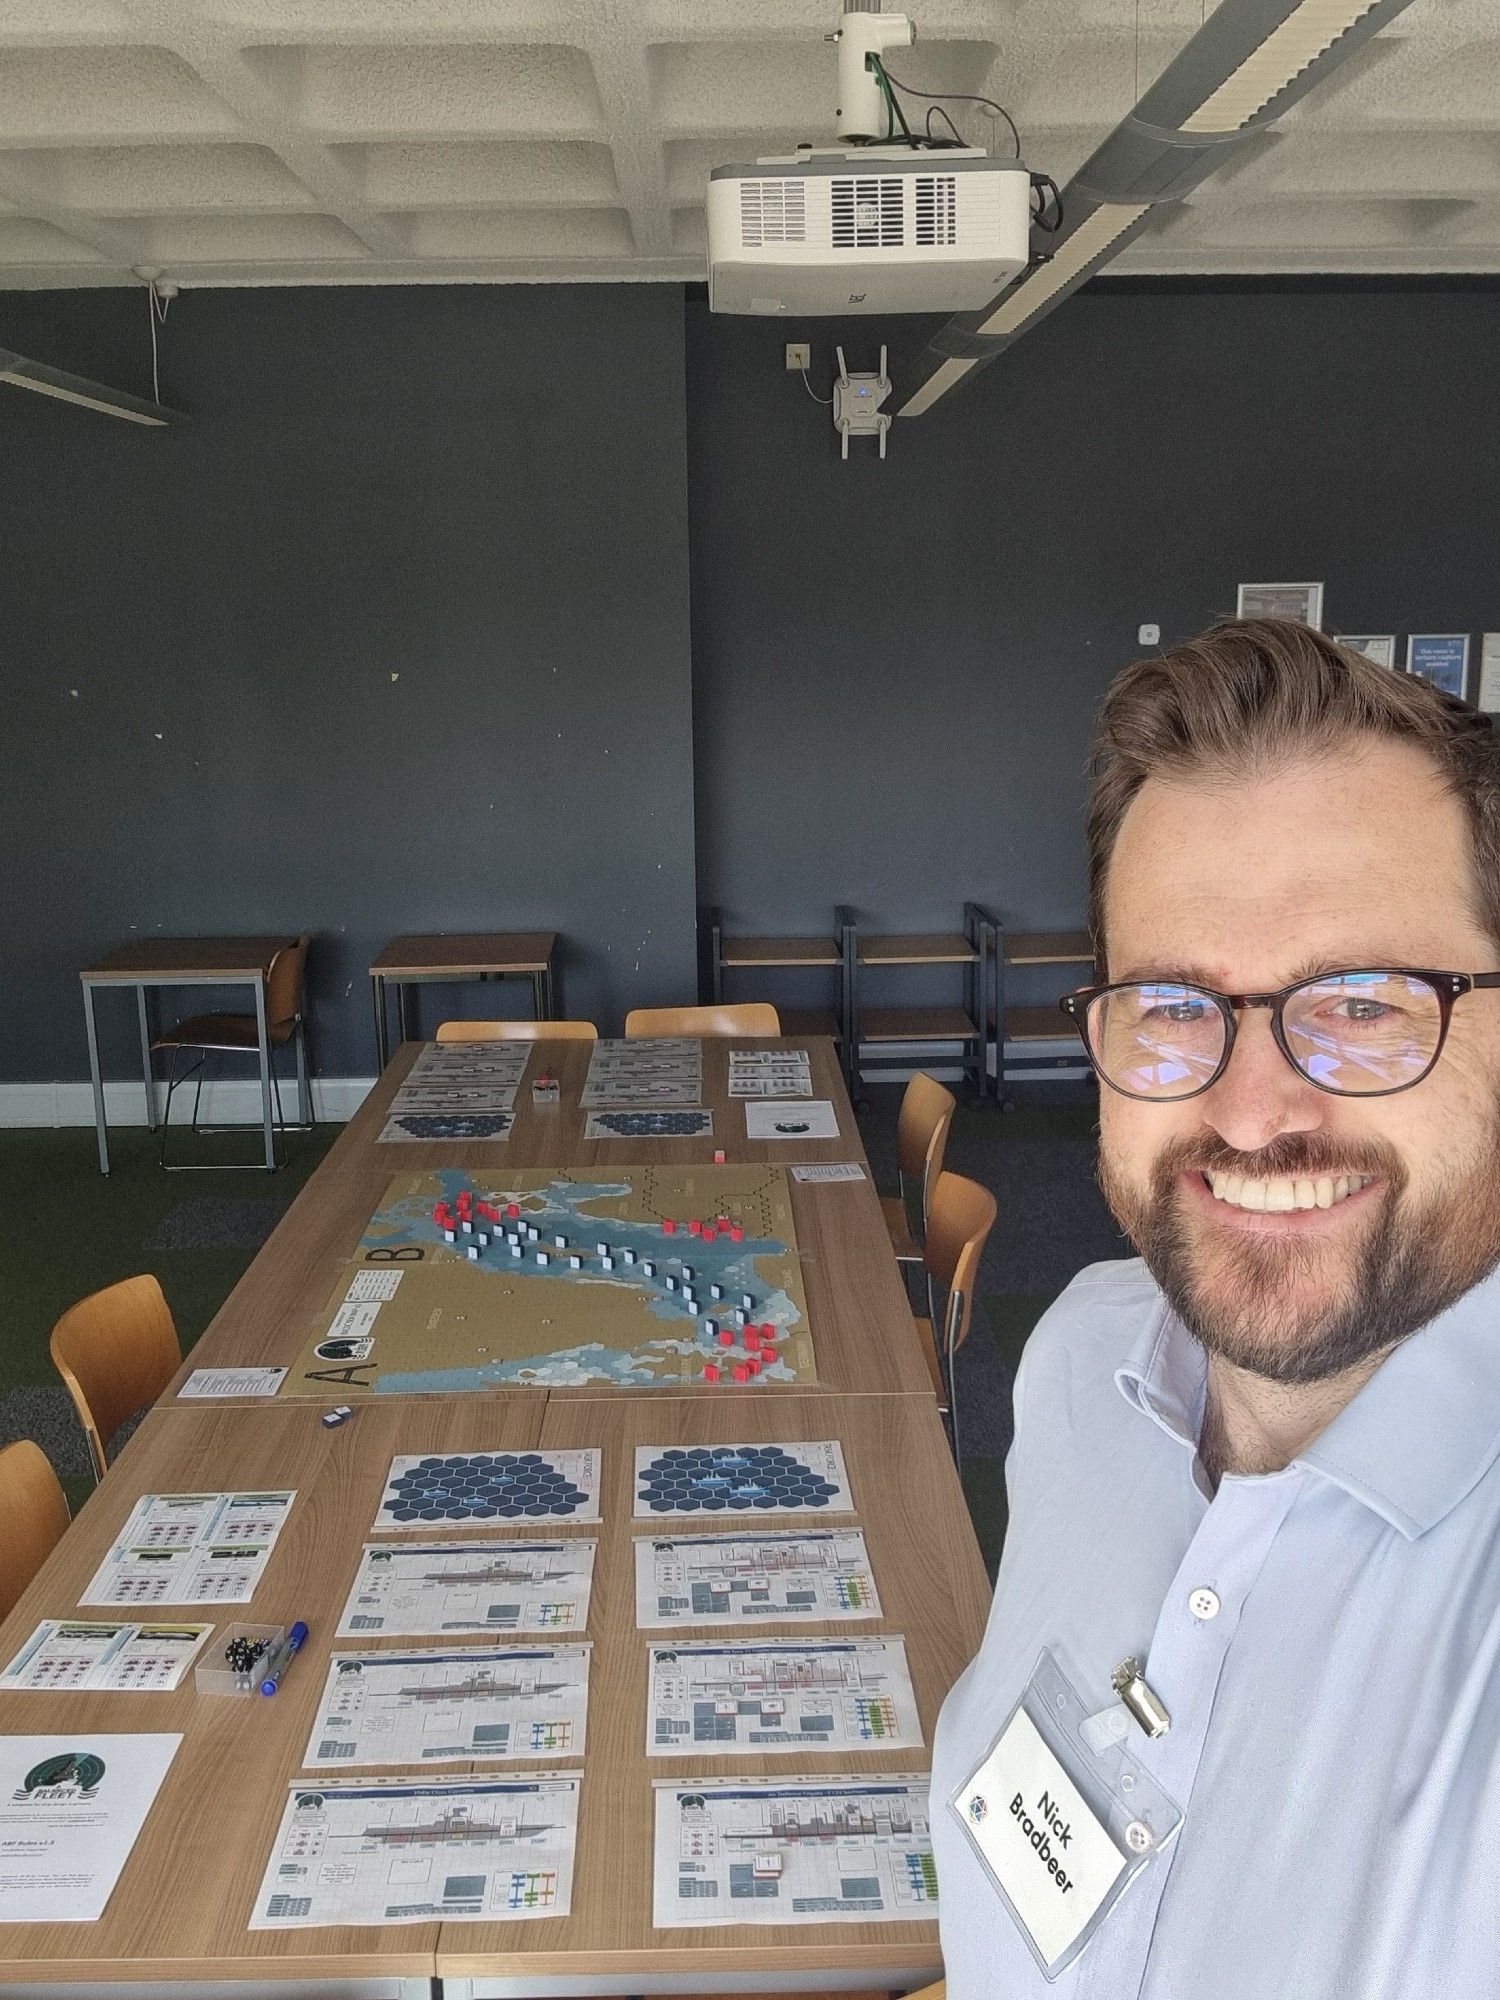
1356,1034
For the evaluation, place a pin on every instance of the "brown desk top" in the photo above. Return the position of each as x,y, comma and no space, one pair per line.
202,959
181,1906
862,1329
458,956
932,1589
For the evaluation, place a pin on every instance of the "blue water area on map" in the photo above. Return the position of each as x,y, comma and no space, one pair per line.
561,1209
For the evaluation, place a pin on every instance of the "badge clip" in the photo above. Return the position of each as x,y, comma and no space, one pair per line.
1129,1683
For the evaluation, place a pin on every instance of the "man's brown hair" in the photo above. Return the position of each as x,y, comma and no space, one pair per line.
1252,693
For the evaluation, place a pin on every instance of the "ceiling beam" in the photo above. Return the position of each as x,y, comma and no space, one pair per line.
1249,62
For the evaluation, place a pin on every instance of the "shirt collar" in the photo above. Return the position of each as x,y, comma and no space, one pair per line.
1416,1439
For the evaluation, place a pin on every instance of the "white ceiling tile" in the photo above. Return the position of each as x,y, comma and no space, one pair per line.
417,91
533,234
23,241
478,173
261,239
59,96
142,180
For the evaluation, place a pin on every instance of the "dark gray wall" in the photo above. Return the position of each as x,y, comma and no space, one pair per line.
482,491
896,665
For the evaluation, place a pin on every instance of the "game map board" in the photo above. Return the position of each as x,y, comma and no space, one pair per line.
490,1489
457,1090
550,1278
649,1125
740,1479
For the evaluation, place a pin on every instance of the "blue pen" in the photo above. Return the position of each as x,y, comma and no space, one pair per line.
284,1657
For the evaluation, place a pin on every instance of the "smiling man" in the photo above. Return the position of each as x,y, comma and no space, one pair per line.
1235,1725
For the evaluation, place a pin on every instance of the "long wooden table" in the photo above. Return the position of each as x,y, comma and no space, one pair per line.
180,1910
178,1918
861,1322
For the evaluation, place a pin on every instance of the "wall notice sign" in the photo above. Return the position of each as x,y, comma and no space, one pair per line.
1379,647
1282,600
1440,657
1489,673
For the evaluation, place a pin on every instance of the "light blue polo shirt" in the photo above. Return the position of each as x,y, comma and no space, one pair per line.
1335,1732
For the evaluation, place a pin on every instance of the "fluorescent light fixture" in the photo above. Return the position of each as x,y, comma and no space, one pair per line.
1249,62
22,373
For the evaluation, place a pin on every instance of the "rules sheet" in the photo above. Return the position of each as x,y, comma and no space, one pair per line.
495,1702
429,1590
70,1810
748,1579
812,1851
782,1694
191,1548
451,1850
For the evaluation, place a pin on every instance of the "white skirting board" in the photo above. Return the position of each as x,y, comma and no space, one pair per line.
226,1101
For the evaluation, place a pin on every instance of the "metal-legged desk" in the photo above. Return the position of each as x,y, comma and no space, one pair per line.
232,961
448,961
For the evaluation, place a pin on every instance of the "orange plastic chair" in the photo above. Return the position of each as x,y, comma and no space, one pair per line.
959,1220
517,1031
921,1140
751,1017
35,1513
116,1351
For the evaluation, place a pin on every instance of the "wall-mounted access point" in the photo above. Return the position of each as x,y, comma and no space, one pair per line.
856,404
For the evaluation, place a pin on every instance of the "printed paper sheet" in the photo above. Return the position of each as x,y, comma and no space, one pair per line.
834,1850
490,1489
498,1703
749,1579
783,1694
191,1548
689,1481
96,1656
386,1851
70,1810
433,1589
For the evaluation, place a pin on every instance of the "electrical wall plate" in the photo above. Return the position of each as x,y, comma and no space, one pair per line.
856,404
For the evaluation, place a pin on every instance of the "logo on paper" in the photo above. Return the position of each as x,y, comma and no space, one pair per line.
73,1775
978,1807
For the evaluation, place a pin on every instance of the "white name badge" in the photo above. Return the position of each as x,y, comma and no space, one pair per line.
1063,1817
1051,1856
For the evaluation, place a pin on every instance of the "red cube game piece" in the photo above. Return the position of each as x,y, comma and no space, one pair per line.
736,1234
512,1209
726,1337
742,1371
669,1227
710,1371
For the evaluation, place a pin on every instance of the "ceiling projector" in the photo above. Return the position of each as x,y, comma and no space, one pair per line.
867,224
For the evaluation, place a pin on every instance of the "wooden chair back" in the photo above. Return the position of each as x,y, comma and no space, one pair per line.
959,1220
116,1351
517,1031
284,983
34,1514
749,1017
922,1133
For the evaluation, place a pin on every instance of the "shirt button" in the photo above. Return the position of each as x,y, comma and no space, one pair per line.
1204,1603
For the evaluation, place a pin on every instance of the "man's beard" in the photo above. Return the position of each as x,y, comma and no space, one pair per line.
1240,1300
